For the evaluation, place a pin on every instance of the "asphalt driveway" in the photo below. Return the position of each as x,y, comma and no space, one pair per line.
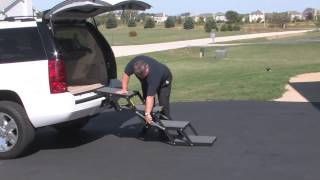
257,140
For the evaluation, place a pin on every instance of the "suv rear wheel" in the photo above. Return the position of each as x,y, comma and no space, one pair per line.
16,131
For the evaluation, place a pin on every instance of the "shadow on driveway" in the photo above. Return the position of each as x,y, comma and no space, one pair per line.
256,140
309,90
121,124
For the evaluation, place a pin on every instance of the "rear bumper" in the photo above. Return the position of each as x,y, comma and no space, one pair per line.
61,108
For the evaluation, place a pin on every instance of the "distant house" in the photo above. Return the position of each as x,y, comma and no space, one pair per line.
160,17
2,15
205,16
15,8
245,18
295,15
220,17
257,16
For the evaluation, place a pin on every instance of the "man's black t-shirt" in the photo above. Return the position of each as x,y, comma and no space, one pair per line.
158,73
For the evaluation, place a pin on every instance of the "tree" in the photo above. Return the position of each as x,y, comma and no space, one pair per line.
149,23
247,19
201,21
309,16
210,25
39,15
170,22
279,19
127,15
224,27
236,27
189,23
233,17
111,22
229,27
259,20
142,17
132,23
317,22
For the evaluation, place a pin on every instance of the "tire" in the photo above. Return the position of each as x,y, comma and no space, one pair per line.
16,131
72,126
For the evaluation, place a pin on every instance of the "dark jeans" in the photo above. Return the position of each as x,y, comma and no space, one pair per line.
164,92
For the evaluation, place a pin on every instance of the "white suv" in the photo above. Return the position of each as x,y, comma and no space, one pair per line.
50,68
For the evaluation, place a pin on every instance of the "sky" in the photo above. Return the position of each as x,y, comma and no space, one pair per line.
175,7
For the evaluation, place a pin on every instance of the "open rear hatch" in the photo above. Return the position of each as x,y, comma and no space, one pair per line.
84,9
85,59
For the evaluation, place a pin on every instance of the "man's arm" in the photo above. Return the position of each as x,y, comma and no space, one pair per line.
148,109
125,82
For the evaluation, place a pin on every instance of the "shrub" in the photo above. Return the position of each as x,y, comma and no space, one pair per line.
236,27
149,23
207,28
189,23
210,25
111,22
229,27
132,23
170,22
317,21
224,27
133,34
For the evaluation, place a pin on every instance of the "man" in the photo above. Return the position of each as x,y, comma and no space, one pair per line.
155,78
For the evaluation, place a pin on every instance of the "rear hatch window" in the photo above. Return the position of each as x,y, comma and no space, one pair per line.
85,63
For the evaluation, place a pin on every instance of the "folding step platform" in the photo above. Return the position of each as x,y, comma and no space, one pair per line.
183,138
195,141
174,130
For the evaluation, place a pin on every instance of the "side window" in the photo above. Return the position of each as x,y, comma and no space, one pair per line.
19,45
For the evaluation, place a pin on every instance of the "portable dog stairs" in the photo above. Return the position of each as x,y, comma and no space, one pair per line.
176,131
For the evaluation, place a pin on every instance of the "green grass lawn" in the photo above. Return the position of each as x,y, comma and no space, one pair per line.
120,35
241,76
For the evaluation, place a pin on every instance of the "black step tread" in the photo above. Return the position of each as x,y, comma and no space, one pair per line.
174,124
197,140
114,91
142,107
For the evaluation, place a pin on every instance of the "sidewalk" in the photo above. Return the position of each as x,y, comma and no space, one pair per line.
147,48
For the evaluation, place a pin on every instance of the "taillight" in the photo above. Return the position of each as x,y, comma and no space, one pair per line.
57,76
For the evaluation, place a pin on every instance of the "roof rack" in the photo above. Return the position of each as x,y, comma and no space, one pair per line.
20,18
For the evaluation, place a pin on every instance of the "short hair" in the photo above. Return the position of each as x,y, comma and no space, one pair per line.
140,68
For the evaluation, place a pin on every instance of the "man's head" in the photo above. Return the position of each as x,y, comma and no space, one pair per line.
141,69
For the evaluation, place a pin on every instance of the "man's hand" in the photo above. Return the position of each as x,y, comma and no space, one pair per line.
122,92
148,119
